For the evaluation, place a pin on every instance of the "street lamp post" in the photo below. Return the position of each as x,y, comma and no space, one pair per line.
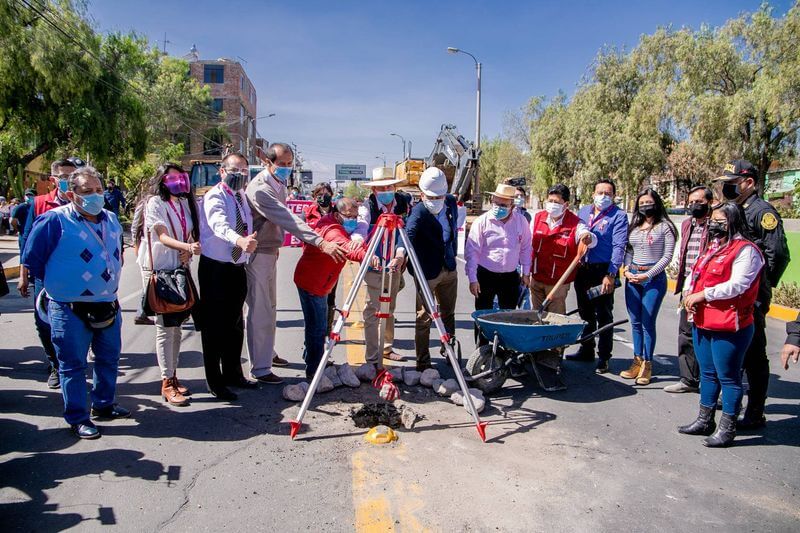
404,144
382,157
453,50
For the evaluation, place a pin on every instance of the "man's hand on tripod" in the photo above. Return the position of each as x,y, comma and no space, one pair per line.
337,252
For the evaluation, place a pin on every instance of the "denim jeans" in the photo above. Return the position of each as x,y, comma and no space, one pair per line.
643,301
43,328
720,355
315,315
72,338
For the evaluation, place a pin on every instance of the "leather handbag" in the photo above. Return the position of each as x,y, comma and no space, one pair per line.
169,291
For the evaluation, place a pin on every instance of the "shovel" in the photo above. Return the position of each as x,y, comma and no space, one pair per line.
582,249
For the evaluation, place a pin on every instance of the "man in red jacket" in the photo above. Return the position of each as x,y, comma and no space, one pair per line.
556,232
317,273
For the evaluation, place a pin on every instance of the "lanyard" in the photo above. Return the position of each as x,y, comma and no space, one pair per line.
181,218
238,205
600,215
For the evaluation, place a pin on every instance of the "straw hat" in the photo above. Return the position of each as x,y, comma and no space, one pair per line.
381,177
504,191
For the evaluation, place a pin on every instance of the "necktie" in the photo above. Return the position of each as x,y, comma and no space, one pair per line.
241,228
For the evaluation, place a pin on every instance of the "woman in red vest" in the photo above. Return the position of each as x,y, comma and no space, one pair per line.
722,292
556,232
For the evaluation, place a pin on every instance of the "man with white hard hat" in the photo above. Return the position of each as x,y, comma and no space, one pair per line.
433,231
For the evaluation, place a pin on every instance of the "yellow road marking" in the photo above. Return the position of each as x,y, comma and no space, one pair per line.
354,328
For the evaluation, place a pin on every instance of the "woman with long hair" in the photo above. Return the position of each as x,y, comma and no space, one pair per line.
651,243
171,237
722,292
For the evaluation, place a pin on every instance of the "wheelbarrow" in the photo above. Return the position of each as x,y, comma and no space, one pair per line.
524,340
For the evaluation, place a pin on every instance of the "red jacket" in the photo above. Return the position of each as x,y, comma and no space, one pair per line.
45,202
553,249
312,214
734,313
317,272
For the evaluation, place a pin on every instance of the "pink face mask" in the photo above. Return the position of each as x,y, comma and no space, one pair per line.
176,183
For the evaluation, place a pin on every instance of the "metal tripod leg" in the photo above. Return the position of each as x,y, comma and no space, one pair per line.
385,294
337,328
422,283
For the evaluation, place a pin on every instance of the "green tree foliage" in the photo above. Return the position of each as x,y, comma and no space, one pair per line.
501,159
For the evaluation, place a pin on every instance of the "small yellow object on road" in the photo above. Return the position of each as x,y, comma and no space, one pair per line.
380,435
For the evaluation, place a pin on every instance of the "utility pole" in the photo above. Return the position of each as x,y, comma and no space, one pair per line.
165,43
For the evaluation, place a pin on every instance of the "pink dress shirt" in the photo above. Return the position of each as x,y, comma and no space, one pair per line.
498,246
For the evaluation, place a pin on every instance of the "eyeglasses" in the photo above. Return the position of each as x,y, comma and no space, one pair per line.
239,170
64,176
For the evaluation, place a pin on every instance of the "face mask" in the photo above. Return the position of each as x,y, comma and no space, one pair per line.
385,198
554,209
324,200
601,201
91,203
282,173
63,185
647,210
176,183
519,202
698,210
730,190
434,206
717,230
235,180
349,224
499,212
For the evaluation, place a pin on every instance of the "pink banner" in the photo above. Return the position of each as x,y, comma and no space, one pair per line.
296,207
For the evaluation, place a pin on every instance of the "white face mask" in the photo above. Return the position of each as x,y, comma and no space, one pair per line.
554,209
519,201
434,206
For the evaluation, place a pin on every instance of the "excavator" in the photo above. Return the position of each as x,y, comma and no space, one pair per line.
453,155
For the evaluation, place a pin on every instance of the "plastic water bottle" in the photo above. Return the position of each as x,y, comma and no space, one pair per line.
595,291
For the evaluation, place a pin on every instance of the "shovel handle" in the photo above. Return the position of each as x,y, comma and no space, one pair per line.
582,249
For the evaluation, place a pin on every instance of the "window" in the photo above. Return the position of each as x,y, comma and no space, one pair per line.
213,73
241,114
241,82
216,105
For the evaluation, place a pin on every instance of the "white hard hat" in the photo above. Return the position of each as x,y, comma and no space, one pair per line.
433,182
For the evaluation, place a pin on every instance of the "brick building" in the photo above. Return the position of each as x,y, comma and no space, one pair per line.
235,100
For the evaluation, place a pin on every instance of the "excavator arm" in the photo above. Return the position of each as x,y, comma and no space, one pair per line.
459,160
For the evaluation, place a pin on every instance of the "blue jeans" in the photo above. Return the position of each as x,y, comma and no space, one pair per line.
720,355
72,338
315,315
643,301
42,327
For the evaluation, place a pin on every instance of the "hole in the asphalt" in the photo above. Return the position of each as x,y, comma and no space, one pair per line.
375,414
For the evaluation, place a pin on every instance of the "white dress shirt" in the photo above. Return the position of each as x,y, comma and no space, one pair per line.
218,234
159,213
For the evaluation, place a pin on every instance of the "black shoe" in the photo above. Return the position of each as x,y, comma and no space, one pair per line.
602,366
86,430
223,394
269,379
279,361
143,320
726,432
54,380
242,384
584,354
704,424
111,412
750,422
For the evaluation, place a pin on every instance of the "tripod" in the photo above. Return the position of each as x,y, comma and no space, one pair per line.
386,228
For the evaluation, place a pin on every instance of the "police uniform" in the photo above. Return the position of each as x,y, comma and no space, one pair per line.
766,230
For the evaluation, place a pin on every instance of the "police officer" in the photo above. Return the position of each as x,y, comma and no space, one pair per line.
740,183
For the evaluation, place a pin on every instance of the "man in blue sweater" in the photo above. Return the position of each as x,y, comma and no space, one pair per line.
76,250
599,268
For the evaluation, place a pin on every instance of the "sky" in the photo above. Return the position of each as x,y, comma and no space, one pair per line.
341,75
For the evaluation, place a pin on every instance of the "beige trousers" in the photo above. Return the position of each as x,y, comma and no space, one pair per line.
261,312
375,352
168,340
539,292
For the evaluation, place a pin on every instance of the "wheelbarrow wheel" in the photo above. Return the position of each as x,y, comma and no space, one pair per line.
482,360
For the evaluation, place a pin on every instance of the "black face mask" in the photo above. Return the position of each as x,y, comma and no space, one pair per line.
730,190
235,180
324,200
648,210
697,210
717,230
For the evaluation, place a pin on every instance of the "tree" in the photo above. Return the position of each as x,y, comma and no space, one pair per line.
501,159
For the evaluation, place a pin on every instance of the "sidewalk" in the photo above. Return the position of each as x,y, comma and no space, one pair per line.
9,255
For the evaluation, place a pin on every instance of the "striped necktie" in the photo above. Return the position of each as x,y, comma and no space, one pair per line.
241,228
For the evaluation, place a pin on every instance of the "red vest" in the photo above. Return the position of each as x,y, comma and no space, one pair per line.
45,202
553,249
734,313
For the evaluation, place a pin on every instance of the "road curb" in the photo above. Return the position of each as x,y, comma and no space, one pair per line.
778,312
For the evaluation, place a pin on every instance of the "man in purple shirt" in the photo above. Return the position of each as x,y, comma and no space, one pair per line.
599,269
499,241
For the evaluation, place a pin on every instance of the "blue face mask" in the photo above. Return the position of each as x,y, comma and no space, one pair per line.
601,201
349,224
282,173
499,212
91,203
63,185
385,198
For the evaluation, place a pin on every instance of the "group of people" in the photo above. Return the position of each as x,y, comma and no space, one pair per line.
731,254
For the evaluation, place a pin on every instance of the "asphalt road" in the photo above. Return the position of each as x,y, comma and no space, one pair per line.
601,456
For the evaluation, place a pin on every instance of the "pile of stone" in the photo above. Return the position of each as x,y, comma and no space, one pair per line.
334,376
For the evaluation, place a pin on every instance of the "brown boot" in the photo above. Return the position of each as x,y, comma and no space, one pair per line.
645,373
633,371
171,394
183,390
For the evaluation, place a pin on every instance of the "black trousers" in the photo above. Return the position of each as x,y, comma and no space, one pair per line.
504,285
690,370
223,288
756,365
596,312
